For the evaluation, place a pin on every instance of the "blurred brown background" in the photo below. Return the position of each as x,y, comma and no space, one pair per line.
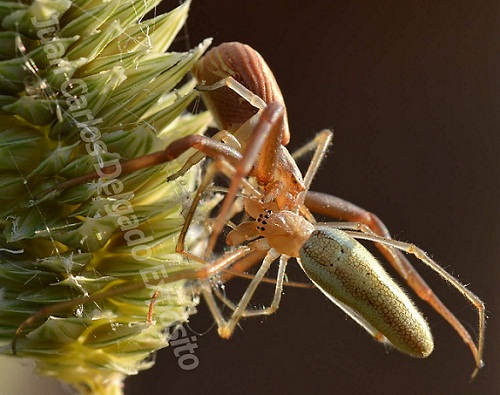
411,90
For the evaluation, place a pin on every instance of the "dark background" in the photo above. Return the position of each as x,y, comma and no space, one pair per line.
411,90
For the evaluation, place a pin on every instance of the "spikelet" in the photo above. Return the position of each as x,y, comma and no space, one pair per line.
83,84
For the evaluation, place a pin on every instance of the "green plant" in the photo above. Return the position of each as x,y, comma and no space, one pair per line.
82,84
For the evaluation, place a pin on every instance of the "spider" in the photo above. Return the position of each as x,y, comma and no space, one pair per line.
244,97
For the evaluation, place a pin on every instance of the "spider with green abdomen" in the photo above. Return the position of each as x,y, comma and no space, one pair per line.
244,97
